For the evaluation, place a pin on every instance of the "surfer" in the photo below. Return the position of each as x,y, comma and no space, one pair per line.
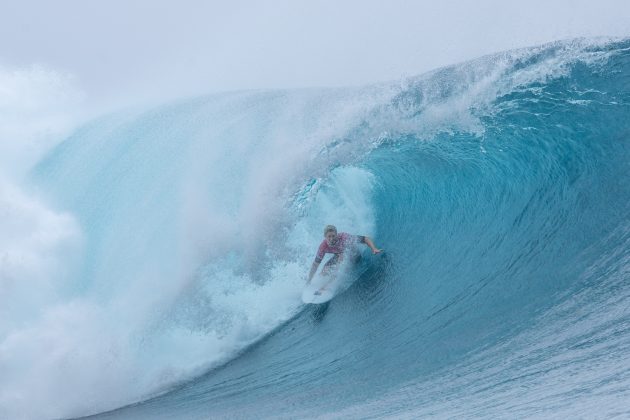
337,244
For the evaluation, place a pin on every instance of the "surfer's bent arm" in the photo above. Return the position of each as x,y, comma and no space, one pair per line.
368,242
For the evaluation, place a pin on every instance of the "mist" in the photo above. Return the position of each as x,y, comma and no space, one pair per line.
124,51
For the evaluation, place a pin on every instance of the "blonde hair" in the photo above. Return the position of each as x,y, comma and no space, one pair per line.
329,228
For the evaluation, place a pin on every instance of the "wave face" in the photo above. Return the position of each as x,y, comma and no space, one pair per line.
499,188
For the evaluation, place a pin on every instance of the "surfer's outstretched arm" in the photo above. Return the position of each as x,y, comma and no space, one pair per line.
373,247
313,271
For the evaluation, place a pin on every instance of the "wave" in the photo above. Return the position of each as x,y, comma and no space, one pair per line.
499,188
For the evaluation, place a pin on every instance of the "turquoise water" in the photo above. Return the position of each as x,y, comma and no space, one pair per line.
499,188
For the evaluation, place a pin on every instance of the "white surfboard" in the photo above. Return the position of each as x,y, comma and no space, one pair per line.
321,289
324,288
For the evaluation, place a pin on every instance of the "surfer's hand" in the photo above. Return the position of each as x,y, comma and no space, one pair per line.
376,251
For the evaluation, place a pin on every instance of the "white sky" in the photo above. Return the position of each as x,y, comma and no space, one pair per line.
163,48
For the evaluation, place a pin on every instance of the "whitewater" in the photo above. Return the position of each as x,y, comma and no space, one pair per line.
153,258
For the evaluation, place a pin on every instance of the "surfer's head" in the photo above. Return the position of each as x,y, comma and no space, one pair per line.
330,233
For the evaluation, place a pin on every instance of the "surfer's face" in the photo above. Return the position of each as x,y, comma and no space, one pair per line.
331,238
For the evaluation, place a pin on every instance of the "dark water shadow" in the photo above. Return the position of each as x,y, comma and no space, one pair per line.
374,278
319,311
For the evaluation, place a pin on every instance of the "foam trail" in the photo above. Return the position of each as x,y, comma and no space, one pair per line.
37,108
178,275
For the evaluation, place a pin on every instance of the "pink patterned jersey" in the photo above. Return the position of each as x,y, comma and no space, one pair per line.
344,240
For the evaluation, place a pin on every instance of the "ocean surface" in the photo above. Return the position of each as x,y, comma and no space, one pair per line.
499,189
